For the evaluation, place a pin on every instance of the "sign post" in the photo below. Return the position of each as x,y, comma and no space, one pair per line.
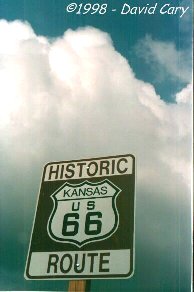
77,286
84,221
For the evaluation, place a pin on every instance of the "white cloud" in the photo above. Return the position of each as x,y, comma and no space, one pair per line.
13,34
77,97
165,59
184,96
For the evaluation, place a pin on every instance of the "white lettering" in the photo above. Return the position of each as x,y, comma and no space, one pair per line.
171,10
127,9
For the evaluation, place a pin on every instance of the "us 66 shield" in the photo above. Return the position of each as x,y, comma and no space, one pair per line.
84,220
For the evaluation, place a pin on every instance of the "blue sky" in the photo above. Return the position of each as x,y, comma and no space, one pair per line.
121,85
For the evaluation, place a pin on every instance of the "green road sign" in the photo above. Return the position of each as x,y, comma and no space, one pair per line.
84,221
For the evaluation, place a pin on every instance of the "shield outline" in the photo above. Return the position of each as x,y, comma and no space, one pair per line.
98,238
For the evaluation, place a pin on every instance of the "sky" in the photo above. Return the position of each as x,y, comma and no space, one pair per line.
75,86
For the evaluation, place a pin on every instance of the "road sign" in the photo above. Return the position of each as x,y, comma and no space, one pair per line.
84,221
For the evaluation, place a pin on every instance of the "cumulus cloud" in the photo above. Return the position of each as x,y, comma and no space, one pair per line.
184,96
77,97
165,59
78,90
